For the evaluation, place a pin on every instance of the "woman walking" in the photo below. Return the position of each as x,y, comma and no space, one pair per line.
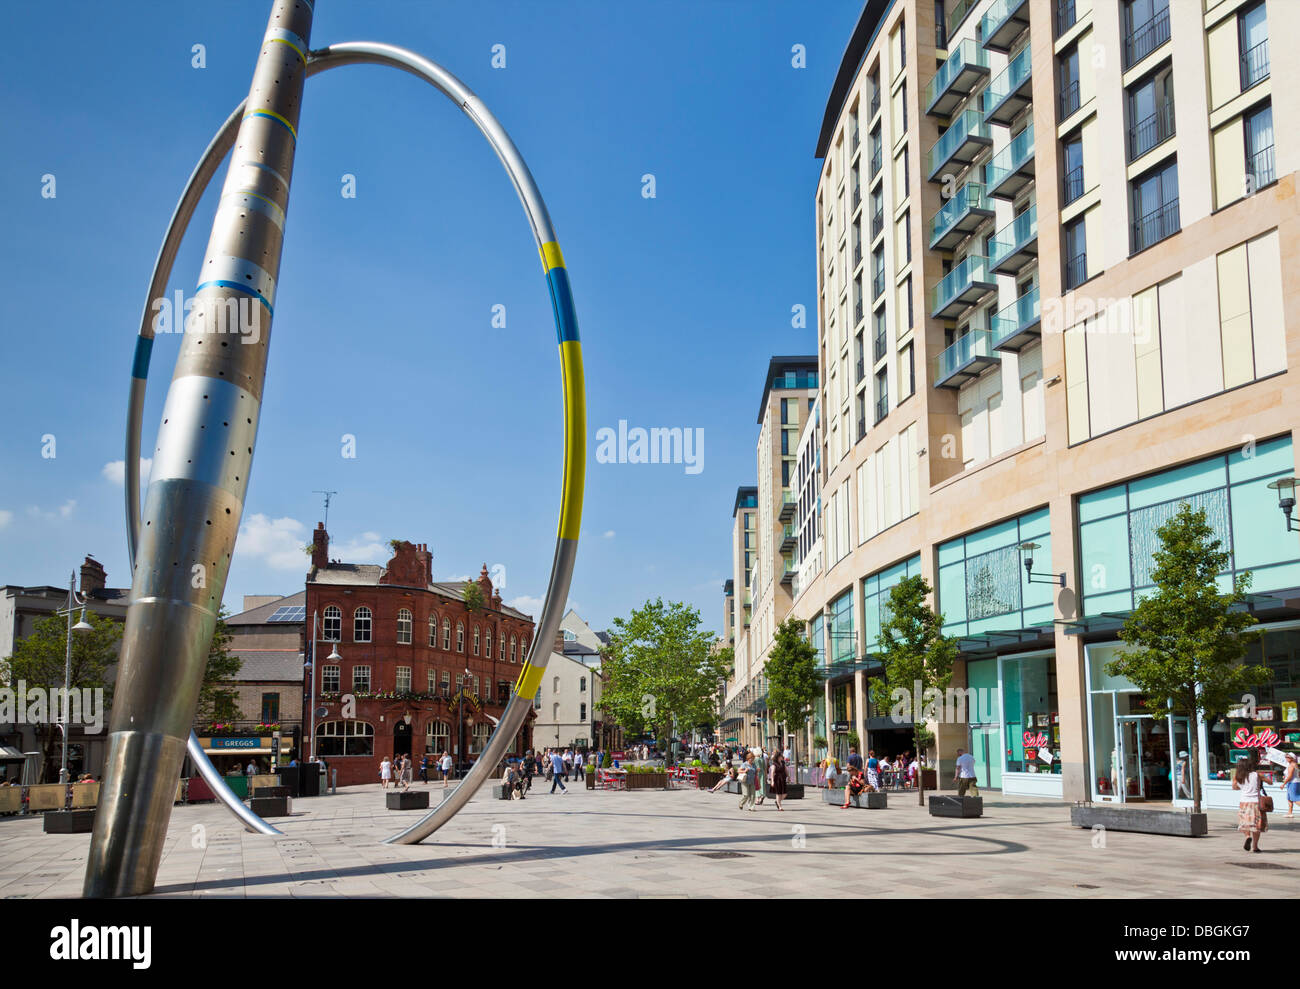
385,773
1292,783
1251,819
778,778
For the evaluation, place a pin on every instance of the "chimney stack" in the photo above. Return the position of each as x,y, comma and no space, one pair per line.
320,547
93,576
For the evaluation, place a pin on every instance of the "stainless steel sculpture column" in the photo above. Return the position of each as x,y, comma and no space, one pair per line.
200,474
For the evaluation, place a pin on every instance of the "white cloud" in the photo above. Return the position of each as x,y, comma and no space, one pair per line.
528,605
62,512
609,534
277,542
115,471
369,547
458,579
5,518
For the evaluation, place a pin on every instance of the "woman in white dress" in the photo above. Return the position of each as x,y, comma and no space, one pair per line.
385,772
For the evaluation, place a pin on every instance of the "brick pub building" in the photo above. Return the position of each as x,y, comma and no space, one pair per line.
406,647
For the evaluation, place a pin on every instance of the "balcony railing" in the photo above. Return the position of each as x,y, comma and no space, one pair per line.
877,223
961,214
857,312
1010,92
878,346
862,369
966,282
1065,16
788,537
1067,100
1015,325
875,104
1260,168
862,427
958,14
857,255
1073,184
857,195
787,506
1254,65
1160,223
1011,169
1016,244
856,141
1003,23
965,359
1146,38
1150,131
877,287
795,379
960,142
875,162
957,78
882,407
1076,270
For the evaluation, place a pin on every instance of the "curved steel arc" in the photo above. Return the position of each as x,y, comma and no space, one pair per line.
372,53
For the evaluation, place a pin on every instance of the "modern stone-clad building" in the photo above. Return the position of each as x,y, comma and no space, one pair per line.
1056,263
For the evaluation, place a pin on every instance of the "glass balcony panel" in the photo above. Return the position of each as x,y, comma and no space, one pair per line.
1018,323
959,143
1010,170
956,78
1003,23
964,284
960,214
965,359
1010,92
1016,244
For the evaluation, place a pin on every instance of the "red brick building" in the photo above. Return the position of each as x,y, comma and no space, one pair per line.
406,647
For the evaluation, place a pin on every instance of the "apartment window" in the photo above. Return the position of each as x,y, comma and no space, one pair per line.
785,443
404,678
433,631
476,693
1155,206
877,275
1065,16
361,679
784,412
433,681
329,679
1072,163
582,712
476,640
361,625
404,627
1076,254
582,684
501,648
1258,126
907,291
460,637
512,643
907,175
906,372
1146,28
882,395
902,99
333,630
877,213
1252,36
446,634
487,643
1150,112
907,236
902,45
487,690
876,152
270,709
940,26
1068,74
446,683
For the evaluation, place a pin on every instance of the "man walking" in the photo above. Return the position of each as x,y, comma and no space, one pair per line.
965,775
748,778
557,772
578,760
445,765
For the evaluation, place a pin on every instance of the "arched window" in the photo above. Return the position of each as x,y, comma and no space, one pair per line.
404,627
437,737
361,624
582,684
482,732
460,636
476,640
487,642
433,631
555,685
336,738
502,639
512,648
446,634
523,649
333,630
476,685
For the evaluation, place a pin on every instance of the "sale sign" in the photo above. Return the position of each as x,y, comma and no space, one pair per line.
1263,739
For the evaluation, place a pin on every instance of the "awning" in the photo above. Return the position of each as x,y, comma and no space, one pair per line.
243,746
1110,621
994,639
10,754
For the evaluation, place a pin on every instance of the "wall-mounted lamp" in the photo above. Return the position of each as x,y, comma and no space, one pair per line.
1027,551
1054,380
1285,488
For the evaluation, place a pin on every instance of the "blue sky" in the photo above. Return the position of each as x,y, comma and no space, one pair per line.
383,313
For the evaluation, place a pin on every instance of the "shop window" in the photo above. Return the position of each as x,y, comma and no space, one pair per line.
341,738
1273,720
1031,714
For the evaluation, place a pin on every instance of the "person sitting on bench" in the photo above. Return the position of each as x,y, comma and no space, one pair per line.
857,784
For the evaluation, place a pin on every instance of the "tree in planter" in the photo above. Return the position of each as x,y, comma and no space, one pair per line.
38,660
1189,637
917,656
660,669
792,681
218,701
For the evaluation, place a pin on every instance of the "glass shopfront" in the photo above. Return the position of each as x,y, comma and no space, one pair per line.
982,583
985,731
1015,723
1273,720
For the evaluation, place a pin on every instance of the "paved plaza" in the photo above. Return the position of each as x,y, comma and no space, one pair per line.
669,844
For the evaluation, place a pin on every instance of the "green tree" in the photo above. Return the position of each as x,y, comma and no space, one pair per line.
218,701
660,670
792,681
917,656
1190,638
38,661
472,595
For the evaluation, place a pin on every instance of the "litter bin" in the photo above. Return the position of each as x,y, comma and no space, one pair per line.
238,783
290,776
309,778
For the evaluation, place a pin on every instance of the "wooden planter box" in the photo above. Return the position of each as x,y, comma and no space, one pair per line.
1170,822
271,806
69,822
707,780
951,806
647,781
793,791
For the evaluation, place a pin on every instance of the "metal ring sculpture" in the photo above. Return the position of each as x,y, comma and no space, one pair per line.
566,325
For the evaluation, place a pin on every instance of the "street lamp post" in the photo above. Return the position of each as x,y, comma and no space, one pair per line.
81,627
1285,488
